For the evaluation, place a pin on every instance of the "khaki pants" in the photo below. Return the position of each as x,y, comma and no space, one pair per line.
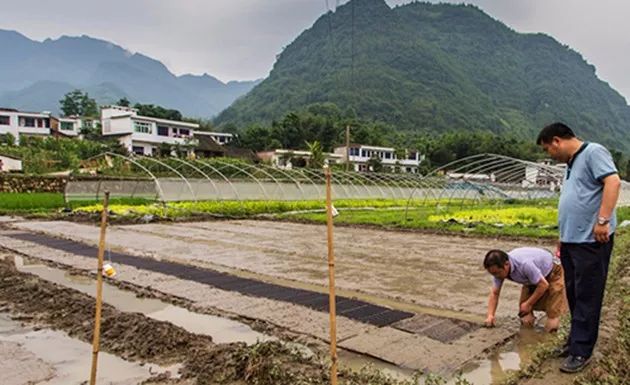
554,301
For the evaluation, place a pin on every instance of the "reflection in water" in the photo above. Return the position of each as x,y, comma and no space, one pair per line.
222,330
68,360
495,368
486,371
490,370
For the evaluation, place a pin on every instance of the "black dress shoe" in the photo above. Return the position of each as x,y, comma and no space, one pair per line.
561,351
574,364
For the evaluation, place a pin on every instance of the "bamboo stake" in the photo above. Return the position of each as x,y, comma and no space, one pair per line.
99,290
331,280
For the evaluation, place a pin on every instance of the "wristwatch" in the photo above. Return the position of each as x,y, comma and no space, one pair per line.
603,221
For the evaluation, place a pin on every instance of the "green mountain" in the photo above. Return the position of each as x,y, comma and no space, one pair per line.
436,68
36,75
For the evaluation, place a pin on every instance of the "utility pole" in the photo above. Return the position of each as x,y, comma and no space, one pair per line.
347,147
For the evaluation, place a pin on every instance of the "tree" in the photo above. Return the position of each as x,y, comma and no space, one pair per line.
123,102
78,103
289,131
91,129
441,156
113,145
375,164
317,154
71,103
158,112
256,138
204,124
164,150
7,139
619,160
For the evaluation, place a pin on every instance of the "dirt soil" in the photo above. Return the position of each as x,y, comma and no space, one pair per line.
136,337
430,270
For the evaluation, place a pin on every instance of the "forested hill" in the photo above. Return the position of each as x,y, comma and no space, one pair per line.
35,75
435,68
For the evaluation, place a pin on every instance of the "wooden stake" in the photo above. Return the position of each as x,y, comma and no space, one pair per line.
99,290
331,281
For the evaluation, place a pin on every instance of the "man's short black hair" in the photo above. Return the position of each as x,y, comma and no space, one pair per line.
495,258
558,129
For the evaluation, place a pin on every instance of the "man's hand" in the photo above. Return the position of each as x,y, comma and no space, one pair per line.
525,308
490,321
528,319
558,249
601,232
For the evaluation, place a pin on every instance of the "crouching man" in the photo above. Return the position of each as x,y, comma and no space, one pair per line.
542,278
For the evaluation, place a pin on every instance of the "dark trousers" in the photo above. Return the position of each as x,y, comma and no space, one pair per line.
585,271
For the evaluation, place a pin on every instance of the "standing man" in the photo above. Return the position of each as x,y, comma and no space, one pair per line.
586,219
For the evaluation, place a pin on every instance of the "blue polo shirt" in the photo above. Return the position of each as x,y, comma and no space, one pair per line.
582,191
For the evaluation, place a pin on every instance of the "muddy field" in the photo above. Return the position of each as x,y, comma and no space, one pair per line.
137,338
442,272
437,279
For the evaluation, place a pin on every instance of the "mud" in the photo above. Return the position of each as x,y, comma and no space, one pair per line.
20,366
407,350
222,330
64,309
433,271
135,337
48,357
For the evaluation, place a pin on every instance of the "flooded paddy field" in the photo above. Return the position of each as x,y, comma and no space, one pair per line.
426,293
430,270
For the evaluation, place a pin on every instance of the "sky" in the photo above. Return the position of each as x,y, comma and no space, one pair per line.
239,39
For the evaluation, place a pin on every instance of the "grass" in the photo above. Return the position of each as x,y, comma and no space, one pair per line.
613,368
23,203
519,219
20,202
531,221
514,216
623,213
239,209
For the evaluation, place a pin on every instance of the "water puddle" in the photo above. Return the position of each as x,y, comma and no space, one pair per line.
356,362
222,330
496,367
486,371
63,360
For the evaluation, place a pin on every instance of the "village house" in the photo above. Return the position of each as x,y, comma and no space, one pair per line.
143,135
359,156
